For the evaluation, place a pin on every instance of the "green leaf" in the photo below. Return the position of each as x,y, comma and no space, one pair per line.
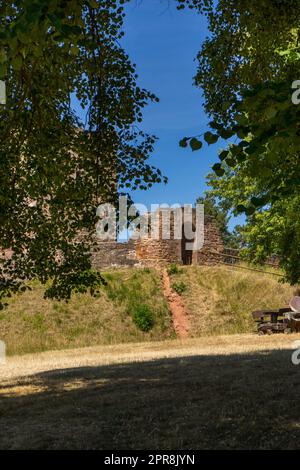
226,133
195,144
184,142
74,51
242,133
215,125
55,20
76,30
241,119
231,162
250,210
236,150
93,4
226,105
271,112
251,149
217,168
223,155
3,71
17,62
3,56
241,157
241,208
259,201
211,138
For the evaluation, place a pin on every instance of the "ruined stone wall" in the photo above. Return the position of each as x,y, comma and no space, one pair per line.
213,245
155,252
159,252
112,253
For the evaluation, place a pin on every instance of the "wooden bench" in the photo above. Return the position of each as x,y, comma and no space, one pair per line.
273,321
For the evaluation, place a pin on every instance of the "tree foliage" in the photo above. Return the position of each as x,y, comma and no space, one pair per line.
219,209
246,69
54,168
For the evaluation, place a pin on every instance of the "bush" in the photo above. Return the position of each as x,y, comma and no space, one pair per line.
179,287
143,317
173,269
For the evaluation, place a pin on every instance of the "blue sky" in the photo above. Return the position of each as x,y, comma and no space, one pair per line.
163,43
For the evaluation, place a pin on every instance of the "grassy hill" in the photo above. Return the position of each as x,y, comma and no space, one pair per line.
132,308
32,324
202,392
220,299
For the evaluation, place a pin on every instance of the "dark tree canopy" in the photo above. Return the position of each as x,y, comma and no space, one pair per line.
55,169
246,69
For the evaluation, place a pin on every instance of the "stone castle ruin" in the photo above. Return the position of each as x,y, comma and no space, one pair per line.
156,252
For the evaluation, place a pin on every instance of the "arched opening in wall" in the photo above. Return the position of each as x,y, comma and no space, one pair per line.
186,253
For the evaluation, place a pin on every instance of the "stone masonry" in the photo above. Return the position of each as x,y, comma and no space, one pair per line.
155,252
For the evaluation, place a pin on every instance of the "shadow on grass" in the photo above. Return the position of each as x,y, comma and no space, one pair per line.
248,401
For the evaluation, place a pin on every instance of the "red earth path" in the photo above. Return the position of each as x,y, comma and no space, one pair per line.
179,314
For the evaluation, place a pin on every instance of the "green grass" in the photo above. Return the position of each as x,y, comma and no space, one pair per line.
179,287
132,308
220,299
207,400
143,317
32,324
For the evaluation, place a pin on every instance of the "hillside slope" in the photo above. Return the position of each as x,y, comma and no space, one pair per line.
32,324
220,299
217,300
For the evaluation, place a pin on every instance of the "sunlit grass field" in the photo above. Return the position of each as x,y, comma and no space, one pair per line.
228,392
131,308
32,324
226,296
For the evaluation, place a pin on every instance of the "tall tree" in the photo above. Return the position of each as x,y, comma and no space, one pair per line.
55,169
246,68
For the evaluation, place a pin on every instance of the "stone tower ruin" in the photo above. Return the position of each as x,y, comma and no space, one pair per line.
155,252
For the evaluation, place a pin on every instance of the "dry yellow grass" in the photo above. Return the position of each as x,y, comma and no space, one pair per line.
32,324
228,392
220,299
237,391
30,364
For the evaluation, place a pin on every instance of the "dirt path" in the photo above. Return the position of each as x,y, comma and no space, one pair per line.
179,314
